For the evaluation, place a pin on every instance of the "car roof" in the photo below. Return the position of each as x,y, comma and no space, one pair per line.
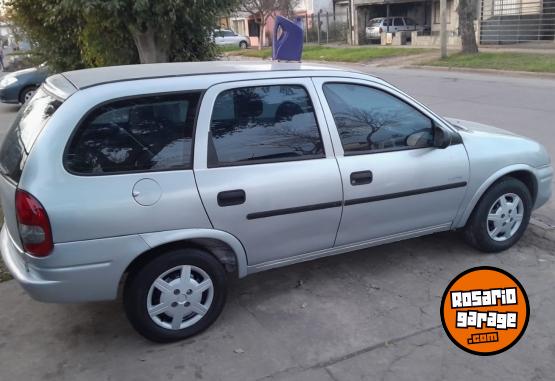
85,78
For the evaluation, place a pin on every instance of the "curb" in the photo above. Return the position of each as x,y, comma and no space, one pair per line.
514,73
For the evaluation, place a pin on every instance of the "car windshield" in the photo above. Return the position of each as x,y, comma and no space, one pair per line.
21,136
375,22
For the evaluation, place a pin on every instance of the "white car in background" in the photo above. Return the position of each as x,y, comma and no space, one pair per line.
229,37
376,26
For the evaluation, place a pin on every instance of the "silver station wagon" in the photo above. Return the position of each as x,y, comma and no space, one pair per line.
162,181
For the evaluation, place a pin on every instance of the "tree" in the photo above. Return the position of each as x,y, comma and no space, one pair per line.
467,15
77,33
261,10
54,34
287,8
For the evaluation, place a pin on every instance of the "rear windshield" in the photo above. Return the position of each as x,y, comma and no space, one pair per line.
28,124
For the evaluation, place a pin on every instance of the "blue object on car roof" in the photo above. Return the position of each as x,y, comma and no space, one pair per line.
288,46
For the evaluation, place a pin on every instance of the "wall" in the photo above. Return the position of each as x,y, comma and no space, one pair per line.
452,17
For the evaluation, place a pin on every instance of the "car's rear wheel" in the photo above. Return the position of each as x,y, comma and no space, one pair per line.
176,295
243,45
501,216
26,94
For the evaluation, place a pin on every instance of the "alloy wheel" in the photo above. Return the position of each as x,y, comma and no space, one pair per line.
505,217
28,95
180,297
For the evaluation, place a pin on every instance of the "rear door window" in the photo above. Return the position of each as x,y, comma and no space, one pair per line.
152,133
263,124
26,128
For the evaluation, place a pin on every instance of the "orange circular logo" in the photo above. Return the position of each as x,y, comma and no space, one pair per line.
485,310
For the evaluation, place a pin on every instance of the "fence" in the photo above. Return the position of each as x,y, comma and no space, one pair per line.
326,27
517,21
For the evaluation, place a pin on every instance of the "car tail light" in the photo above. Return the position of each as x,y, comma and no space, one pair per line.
33,223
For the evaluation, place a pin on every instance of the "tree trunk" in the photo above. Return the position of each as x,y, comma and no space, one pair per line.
467,15
261,35
149,46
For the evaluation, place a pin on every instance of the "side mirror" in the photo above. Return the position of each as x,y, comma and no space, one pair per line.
442,138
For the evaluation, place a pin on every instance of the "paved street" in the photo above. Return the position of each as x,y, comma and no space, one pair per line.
373,314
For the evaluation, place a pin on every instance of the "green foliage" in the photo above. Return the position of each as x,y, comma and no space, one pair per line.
73,34
53,32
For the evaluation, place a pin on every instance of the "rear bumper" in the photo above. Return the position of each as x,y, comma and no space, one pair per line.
37,287
75,272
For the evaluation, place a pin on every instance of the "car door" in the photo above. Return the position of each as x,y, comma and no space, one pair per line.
410,25
219,37
232,38
395,181
398,24
387,25
265,167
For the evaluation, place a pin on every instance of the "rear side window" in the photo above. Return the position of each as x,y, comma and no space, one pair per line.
141,134
263,124
27,126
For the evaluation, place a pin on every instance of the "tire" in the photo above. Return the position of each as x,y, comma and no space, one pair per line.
498,231
243,45
26,94
141,294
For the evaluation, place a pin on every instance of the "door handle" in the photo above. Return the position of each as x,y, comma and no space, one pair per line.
361,178
232,197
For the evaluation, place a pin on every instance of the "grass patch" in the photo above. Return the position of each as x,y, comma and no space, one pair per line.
227,48
326,53
533,62
4,274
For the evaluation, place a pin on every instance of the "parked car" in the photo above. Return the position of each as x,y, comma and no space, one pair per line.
230,38
19,86
391,25
167,179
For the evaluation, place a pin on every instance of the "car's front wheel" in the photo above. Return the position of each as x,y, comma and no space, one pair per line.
27,94
243,45
501,216
176,295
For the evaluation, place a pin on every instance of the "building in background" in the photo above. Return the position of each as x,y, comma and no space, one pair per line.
331,14
517,21
329,21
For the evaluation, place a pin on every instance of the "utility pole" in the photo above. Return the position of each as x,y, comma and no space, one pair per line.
443,27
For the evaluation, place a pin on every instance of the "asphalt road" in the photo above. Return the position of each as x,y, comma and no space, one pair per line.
373,314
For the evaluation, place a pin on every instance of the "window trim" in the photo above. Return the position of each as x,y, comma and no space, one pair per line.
87,114
210,165
385,150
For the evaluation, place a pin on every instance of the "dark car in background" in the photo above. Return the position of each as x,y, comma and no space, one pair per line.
19,86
